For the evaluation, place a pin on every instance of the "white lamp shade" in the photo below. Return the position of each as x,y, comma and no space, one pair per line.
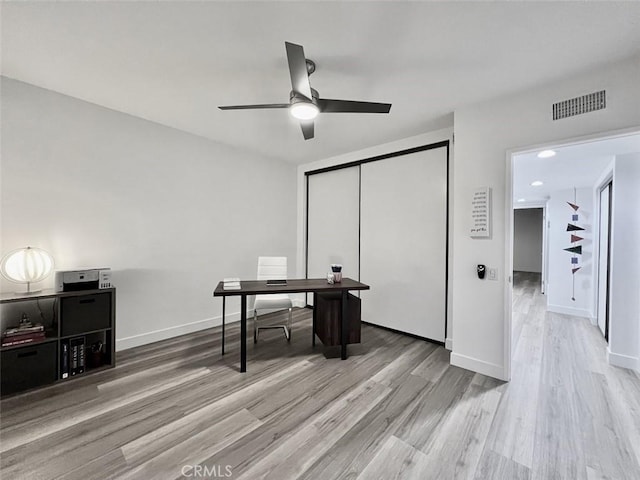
27,265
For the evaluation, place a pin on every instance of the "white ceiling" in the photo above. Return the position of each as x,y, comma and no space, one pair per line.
175,62
579,165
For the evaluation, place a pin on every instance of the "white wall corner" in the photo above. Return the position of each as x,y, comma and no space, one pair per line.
479,366
624,361
448,344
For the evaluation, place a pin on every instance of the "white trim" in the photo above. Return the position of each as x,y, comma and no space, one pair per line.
448,344
525,205
508,267
624,361
176,331
298,302
576,312
479,366
605,179
165,333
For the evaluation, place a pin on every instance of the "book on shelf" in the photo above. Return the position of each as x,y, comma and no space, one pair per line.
81,358
64,359
76,346
23,339
12,332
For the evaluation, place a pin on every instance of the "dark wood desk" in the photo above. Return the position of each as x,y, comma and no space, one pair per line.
259,287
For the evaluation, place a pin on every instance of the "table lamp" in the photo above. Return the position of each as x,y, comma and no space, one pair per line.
27,265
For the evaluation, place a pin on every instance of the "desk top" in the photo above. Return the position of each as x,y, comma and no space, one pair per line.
259,287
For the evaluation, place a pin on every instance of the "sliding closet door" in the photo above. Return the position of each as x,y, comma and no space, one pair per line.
333,222
403,242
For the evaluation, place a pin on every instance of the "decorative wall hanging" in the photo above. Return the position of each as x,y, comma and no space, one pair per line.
573,228
574,249
481,213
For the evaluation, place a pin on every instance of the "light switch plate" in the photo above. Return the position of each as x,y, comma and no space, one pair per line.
493,274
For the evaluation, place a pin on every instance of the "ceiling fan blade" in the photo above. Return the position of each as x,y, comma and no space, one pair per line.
249,107
350,106
307,129
298,70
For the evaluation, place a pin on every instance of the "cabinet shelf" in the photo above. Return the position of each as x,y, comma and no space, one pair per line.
47,339
85,317
88,332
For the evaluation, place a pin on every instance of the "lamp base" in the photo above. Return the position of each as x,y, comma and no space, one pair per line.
28,292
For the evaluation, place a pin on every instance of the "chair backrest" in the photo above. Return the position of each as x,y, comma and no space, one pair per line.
272,268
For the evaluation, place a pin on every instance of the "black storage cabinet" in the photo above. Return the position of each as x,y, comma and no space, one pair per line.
328,324
28,367
85,313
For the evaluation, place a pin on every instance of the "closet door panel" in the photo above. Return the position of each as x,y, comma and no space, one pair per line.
403,242
333,222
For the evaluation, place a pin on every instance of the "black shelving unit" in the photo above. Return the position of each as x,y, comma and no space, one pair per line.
82,318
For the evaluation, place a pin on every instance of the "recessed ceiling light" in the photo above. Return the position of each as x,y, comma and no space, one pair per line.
546,154
520,200
536,183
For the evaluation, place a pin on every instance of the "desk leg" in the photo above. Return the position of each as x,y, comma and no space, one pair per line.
344,329
224,301
313,326
243,334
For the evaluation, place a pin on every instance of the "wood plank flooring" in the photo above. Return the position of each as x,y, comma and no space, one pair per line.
395,409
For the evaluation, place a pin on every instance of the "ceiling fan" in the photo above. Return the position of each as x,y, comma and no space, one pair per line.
305,102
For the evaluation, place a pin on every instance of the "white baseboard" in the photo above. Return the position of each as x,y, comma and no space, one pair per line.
448,344
624,361
576,312
478,366
176,331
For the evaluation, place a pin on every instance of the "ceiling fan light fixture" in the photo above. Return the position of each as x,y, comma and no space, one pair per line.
304,110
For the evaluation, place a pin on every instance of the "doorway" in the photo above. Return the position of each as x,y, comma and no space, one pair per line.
604,258
529,249
575,180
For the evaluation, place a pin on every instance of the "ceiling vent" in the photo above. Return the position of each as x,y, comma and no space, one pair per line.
579,105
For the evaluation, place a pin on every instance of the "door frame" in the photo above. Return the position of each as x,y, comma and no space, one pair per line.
607,182
508,212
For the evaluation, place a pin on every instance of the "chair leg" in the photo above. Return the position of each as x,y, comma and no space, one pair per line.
290,323
255,326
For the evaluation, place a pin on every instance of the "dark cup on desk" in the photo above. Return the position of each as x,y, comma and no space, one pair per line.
336,268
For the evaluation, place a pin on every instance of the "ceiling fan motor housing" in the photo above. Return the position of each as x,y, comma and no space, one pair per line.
297,98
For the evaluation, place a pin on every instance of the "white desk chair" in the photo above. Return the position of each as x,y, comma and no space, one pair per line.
272,268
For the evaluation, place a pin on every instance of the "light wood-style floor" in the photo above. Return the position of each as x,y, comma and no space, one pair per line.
394,409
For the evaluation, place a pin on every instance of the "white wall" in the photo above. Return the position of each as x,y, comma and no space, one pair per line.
527,240
418,140
485,135
171,213
624,329
560,283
